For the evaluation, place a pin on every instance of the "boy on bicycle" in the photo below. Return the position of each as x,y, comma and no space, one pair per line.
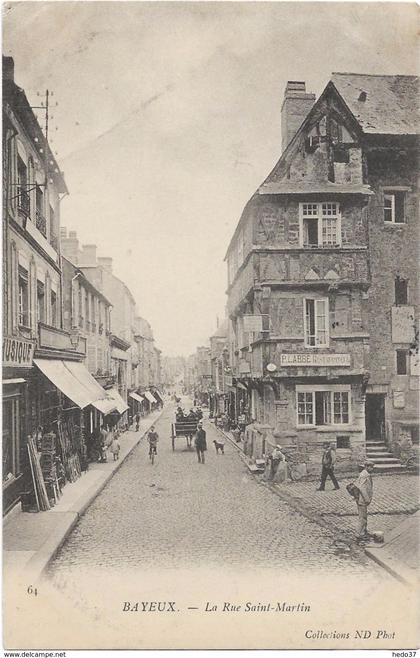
153,438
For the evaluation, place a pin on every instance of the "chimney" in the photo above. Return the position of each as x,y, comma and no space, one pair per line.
296,105
105,263
8,68
70,247
88,256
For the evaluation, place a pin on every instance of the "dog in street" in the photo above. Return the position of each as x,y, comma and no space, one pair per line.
219,446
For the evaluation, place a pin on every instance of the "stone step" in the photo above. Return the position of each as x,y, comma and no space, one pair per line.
377,451
386,460
379,455
390,468
375,443
378,448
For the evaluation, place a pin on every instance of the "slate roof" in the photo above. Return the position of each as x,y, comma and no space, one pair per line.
391,102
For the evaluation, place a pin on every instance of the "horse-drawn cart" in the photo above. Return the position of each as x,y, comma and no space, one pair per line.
185,428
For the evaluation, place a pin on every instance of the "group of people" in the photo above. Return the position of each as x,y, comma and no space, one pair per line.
192,416
105,439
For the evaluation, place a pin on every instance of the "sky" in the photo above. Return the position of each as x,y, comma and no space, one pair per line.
168,119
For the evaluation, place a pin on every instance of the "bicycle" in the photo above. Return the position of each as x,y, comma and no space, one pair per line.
152,453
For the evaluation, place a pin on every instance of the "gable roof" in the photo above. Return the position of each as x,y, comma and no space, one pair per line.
391,101
390,108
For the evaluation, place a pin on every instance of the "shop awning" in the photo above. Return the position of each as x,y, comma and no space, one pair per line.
121,406
74,380
150,397
105,406
137,397
100,399
241,386
156,392
56,371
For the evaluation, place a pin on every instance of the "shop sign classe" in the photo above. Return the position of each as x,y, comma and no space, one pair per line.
17,352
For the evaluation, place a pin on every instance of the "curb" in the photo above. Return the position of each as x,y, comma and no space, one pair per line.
382,563
39,562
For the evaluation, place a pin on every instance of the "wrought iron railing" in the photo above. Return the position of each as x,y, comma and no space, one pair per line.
41,223
24,203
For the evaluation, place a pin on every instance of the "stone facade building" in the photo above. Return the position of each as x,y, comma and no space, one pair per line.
220,395
322,294
87,314
47,391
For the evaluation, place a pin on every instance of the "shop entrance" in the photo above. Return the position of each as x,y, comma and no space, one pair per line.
375,416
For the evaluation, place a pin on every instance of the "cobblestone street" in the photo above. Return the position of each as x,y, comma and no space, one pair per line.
180,512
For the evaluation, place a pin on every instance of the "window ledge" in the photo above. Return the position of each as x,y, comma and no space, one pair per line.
395,224
328,429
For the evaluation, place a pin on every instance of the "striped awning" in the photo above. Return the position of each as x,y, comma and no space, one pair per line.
135,396
150,397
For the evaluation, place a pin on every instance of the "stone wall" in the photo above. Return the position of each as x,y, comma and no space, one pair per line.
393,252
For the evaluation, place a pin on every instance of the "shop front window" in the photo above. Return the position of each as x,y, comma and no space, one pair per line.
305,408
10,437
341,408
323,407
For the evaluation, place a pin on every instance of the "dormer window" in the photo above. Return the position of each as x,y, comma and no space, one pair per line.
320,224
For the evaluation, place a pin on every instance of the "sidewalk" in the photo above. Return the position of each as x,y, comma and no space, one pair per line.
30,540
393,511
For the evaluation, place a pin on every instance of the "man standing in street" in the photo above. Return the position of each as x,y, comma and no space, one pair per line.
328,462
200,442
364,486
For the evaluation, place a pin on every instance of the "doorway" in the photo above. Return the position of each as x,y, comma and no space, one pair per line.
375,416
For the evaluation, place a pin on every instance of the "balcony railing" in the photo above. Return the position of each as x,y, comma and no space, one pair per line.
41,223
54,241
24,204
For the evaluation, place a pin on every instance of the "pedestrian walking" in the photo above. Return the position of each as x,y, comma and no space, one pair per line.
103,444
236,433
137,417
200,442
328,462
363,497
115,448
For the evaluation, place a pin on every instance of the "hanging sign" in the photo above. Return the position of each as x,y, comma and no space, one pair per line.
253,323
17,352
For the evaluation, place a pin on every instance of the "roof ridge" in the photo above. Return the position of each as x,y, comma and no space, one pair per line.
376,75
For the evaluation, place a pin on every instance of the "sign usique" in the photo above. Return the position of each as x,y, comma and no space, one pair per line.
17,352
297,359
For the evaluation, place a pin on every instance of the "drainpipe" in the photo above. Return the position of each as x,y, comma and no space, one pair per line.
6,230
71,291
